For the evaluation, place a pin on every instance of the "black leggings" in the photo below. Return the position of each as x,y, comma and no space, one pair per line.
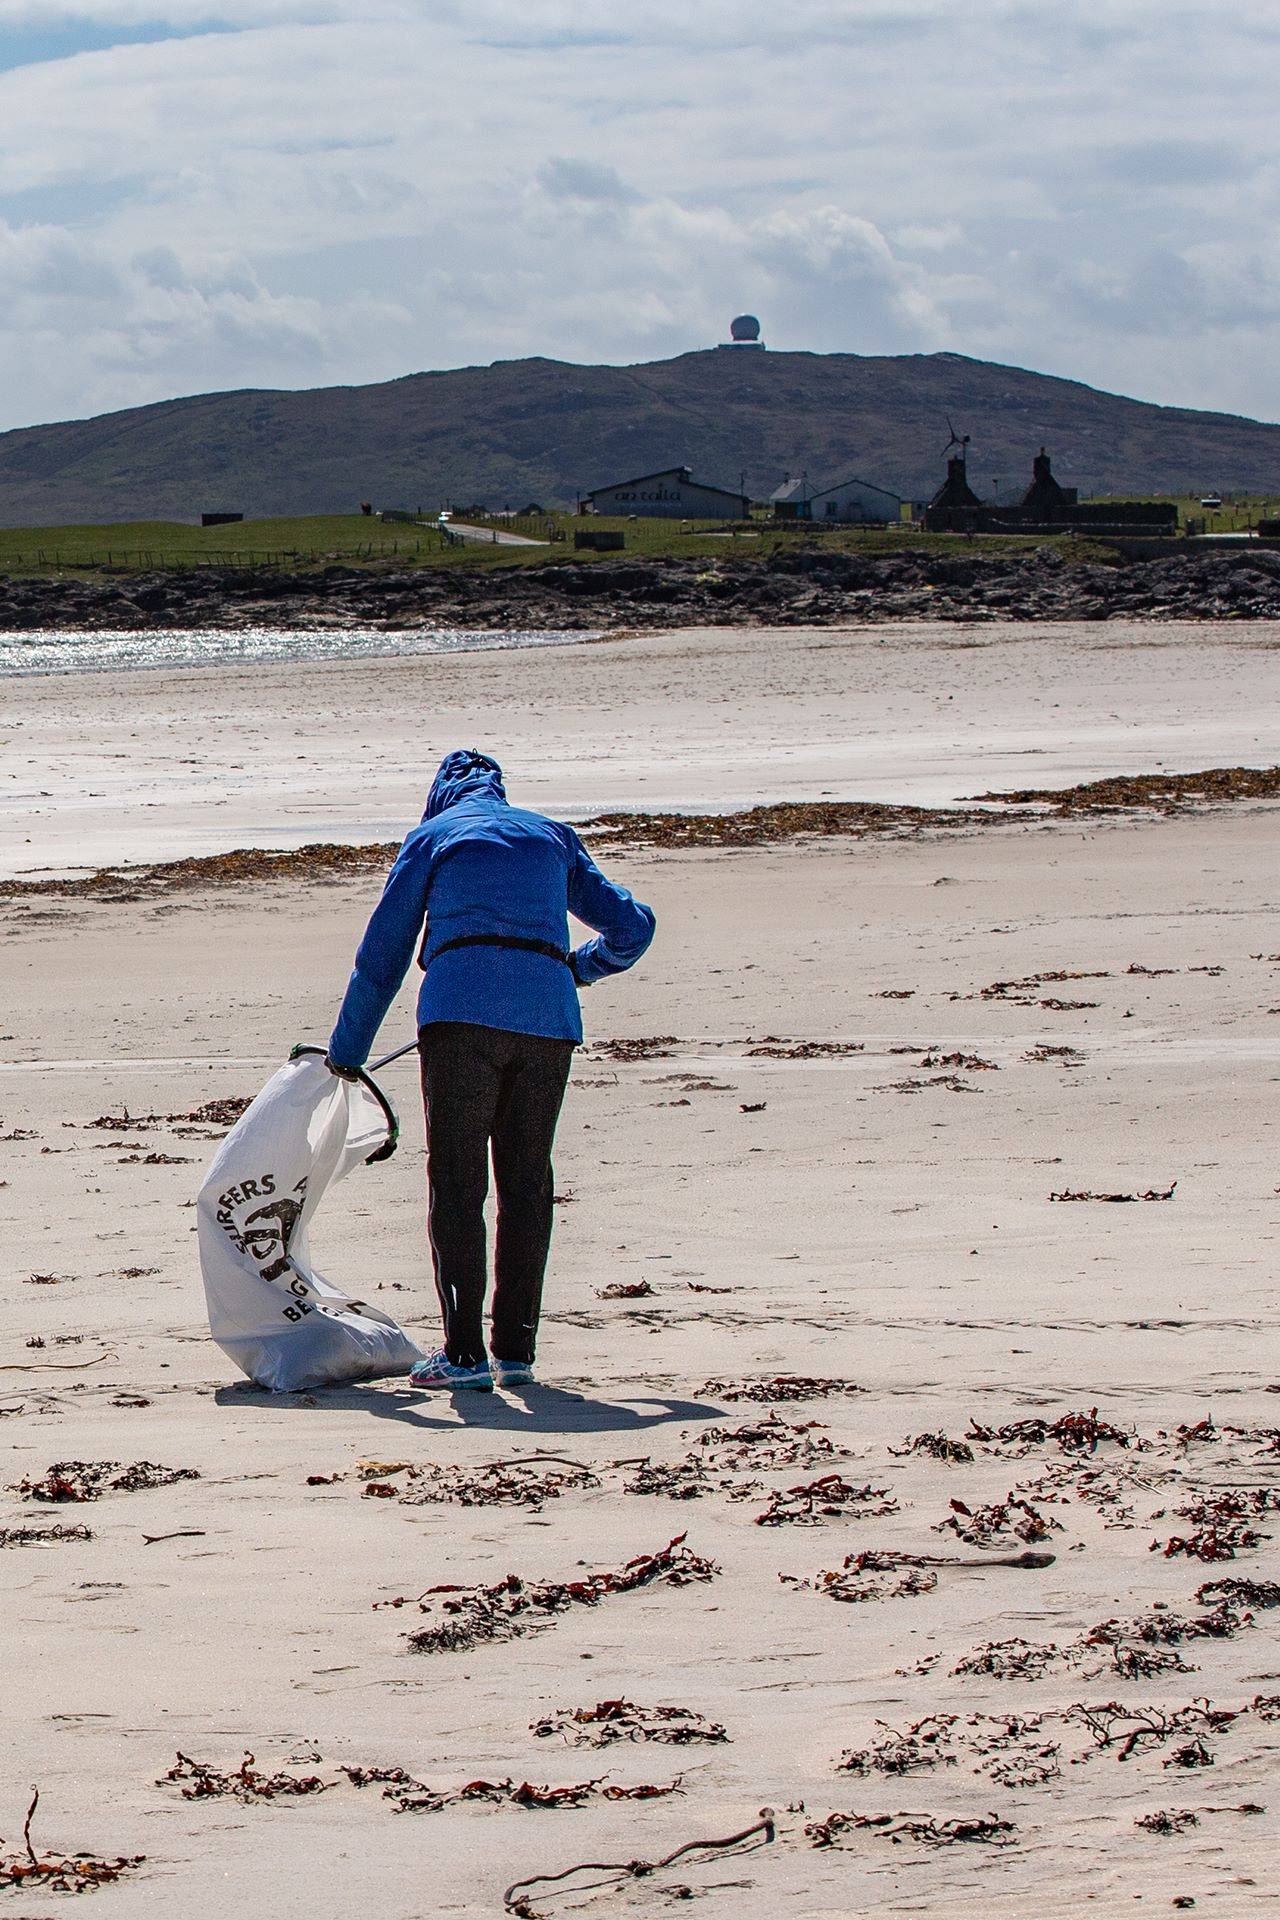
483,1087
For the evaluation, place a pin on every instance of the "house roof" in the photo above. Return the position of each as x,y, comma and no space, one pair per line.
791,490
853,481
682,474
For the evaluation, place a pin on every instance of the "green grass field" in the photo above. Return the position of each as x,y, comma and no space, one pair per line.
1239,513
166,543
313,542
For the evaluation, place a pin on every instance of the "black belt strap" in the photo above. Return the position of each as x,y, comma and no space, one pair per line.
502,940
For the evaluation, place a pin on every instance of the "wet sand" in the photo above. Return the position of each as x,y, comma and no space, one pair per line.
98,768
879,1216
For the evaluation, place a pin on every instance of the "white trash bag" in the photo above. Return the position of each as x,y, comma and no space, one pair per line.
280,1321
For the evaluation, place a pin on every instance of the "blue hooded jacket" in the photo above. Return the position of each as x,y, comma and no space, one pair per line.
477,865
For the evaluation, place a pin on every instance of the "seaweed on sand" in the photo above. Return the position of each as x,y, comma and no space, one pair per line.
830,1498
1232,1592
1074,1433
55,1535
1117,1199
200,1780
610,1721
685,1479
408,1795
914,1750
723,1457
887,1574
513,1606
1024,992
242,866
1015,1659
1217,1542
764,1443
783,820
498,1483
938,1446
987,1526
60,1872
1133,1730
779,1387
213,1113
774,1048
654,1047
1166,792
924,1829
760,826
79,1480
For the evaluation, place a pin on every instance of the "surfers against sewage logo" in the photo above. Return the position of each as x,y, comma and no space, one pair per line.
260,1223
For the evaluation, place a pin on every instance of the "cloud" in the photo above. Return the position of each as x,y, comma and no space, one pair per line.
247,192
127,16
141,322
1168,163
565,179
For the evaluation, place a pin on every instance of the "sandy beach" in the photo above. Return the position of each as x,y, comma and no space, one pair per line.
101,767
858,1119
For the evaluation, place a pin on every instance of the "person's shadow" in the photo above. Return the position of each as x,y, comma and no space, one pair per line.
521,1410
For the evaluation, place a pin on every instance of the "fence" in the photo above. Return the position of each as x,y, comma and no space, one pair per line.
132,560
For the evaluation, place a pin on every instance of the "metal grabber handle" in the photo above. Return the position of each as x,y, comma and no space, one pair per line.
376,1066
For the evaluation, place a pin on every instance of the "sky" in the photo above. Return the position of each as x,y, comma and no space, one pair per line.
207,194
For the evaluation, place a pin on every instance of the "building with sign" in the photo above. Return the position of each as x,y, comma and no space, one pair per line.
672,494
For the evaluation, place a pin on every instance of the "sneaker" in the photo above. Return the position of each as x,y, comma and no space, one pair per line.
513,1373
437,1370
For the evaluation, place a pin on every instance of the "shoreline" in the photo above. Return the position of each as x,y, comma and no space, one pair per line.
500,640
212,649
1131,797
135,768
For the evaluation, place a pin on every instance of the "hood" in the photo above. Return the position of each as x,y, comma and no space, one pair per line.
466,774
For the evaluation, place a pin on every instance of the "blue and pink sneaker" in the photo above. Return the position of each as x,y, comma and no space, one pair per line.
512,1373
437,1370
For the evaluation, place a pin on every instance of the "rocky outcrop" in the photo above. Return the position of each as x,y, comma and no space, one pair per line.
802,586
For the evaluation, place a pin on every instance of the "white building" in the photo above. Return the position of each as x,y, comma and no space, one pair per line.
673,494
791,500
855,503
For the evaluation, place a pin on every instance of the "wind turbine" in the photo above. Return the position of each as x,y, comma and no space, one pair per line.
956,440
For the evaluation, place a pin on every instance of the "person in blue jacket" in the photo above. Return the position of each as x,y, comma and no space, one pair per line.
498,1020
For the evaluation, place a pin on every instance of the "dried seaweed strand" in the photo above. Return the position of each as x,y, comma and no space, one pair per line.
60,1872
515,1898
56,1366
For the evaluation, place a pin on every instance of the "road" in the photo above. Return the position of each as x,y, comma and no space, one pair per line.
491,536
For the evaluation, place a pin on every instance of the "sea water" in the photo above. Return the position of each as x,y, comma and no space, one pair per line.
51,650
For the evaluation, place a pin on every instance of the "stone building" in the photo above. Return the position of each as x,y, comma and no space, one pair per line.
955,505
1045,507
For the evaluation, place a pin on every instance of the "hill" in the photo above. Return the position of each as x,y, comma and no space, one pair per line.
544,430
